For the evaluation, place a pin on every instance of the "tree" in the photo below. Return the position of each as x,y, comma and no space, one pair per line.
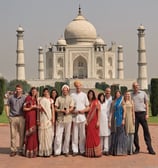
58,86
12,84
114,88
101,85
154,96
2,92
123,89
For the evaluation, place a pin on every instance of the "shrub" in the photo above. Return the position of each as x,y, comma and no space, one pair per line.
154,97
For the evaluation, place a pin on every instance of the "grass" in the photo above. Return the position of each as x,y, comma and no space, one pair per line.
151,120
3,118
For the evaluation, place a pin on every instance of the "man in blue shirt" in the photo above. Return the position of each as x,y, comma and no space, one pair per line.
15,114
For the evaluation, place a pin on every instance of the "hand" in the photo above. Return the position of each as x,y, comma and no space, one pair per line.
123,121
38,122
80,112
67,111
109,124
146,116
34,106
97,125
53,122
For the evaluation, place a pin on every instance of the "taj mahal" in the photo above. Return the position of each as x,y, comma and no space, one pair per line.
82,54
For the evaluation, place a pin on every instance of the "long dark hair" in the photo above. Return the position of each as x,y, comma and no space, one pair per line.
44,91
93,93
99,97
30,92
116,93
56,93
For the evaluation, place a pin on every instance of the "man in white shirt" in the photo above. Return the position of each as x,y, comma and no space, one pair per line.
63,106
79,119
108,101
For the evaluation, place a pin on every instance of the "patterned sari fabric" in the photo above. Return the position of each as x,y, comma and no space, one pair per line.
31,138
93,147
45,130
118,137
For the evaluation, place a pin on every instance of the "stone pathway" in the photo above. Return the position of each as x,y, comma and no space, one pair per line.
141,160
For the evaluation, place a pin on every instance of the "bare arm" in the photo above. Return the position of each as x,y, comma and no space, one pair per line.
147,109
7,110
84,110
124,114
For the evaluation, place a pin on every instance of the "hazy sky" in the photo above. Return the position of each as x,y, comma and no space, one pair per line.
44,21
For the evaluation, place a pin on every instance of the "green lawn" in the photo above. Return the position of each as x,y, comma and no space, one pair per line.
151,120
3,118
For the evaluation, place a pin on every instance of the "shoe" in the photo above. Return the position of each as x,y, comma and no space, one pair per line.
83,154
106,153
21,154
12,154
74,154
136,151
66,154
152,152
55,155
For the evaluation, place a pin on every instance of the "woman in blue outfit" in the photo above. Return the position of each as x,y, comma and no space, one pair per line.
116,123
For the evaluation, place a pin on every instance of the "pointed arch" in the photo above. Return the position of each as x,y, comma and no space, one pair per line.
80,67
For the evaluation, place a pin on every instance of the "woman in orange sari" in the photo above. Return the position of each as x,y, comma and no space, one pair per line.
31,138
93,147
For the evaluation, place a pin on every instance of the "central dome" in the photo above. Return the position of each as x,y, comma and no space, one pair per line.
80,31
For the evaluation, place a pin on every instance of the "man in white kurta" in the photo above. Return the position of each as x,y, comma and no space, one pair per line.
79,119
104,129
63,106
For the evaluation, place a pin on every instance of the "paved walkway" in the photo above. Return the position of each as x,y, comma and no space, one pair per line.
141,160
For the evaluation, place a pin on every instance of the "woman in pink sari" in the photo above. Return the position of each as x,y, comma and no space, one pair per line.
31,138
93,147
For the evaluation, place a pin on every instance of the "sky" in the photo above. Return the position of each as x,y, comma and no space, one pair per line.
44,22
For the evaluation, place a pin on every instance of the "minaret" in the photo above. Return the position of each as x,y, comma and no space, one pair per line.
40,64
20,64
142,63
120,62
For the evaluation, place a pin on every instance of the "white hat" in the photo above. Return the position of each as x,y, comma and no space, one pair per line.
65,86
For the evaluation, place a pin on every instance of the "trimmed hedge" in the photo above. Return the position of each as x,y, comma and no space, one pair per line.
154,96
2,92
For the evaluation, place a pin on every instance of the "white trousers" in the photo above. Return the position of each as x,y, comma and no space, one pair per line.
78,137
62,128
104,140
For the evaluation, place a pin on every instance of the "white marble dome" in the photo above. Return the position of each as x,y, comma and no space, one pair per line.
99,41
80,30
61,41
20,29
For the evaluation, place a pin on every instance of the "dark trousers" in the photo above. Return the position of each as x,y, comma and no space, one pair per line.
140,119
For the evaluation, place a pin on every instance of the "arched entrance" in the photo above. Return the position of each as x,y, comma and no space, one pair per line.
80,68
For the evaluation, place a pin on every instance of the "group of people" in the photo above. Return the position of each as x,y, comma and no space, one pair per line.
77,123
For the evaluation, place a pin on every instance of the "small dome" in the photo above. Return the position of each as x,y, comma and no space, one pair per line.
20,29
141,27
40,48
61,41
80,31
99,41
120,46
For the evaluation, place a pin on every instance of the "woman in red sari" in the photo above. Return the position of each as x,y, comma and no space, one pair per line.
93,148
31,138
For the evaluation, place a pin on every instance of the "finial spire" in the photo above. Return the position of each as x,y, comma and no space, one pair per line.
79,10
